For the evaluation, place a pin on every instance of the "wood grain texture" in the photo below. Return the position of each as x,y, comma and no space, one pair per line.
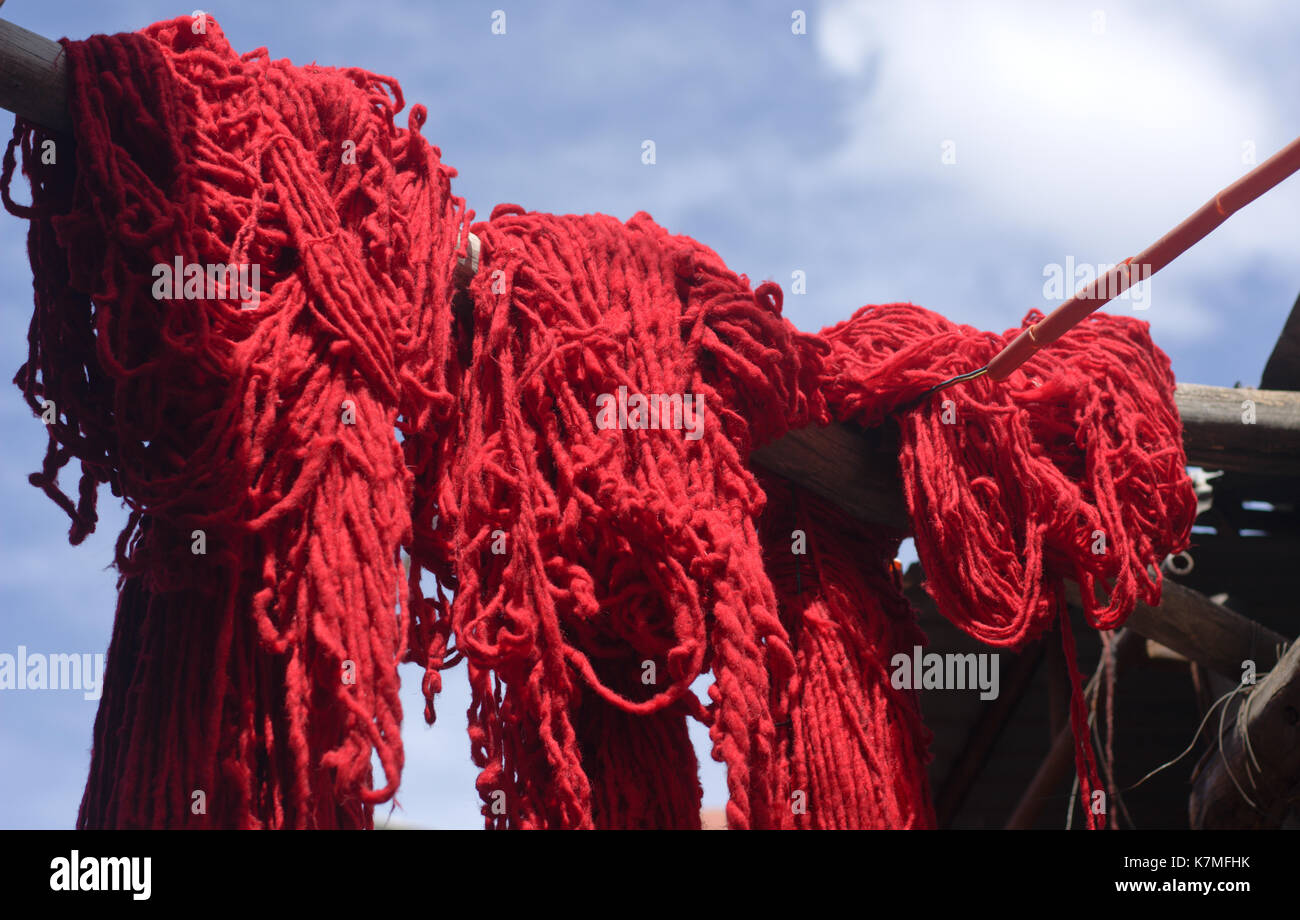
33,77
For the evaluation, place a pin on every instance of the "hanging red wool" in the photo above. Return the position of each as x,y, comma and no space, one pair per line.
1073,467
854,751
252,670
588,558
574,465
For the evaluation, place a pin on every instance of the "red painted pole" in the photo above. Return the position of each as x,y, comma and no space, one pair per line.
1146,263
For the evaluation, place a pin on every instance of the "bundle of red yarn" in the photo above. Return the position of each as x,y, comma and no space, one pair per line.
565,446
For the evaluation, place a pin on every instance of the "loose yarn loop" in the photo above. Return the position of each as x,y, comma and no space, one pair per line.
254,654
574,467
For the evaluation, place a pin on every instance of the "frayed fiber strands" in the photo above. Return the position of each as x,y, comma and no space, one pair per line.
254,655
565,446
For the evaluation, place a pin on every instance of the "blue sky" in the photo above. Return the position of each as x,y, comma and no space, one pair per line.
1070,135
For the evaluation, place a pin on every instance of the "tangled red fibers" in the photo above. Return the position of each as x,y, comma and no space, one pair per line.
619,553
853,753
1073,467
573,465
252,670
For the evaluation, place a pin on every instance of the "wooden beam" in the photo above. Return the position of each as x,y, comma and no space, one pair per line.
859,472
841,464
1217,437
851,468
1201,630
34,84
34,77
1250,776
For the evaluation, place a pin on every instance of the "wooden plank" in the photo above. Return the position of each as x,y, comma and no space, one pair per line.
1250,776
1282,372
846,466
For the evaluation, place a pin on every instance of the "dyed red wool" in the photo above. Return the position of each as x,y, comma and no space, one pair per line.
622,552
247,685
854,750
1071,467
600,562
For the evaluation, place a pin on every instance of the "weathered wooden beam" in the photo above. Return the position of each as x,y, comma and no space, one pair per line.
1250,776
33,77
1218,437
851,468
859,472
1201,630
844,466
34,84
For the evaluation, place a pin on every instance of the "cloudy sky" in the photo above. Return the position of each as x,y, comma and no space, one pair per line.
943,153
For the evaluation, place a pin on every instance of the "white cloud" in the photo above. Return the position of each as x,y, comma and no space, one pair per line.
1102,141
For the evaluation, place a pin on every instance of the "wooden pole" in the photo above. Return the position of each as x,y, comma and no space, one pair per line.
984,734
33,77
1224,428
1202,631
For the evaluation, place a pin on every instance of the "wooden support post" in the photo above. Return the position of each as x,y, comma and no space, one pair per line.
1250,776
